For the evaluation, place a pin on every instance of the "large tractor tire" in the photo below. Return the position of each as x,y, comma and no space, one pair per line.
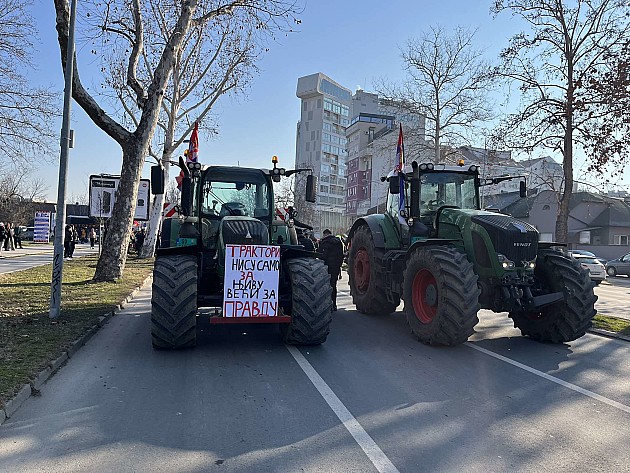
366,287
174,302
565,320
311,303
441,296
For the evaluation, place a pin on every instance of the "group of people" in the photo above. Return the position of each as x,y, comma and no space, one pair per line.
72,236
10,236
331,248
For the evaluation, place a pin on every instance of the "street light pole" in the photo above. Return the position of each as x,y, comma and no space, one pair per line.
57,272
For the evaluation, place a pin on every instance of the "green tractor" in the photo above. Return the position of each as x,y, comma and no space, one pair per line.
447,258
227,214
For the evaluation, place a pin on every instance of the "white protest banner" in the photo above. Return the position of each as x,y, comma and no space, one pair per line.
41,230
251,281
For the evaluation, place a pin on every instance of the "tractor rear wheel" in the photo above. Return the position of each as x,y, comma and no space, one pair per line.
565,320
366,285
441,296
311,303
174,302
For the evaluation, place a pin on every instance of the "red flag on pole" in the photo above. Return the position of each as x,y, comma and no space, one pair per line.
192,153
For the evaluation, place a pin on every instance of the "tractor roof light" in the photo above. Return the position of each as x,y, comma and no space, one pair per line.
460,162
274,159
430,166
473,168
423,167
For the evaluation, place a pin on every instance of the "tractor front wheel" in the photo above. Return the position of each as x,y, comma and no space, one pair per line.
441,296
311,303
565,320
174,302
366,286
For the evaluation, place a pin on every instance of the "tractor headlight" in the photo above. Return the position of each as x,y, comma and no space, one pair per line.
430,166
506,263
423,167
531,264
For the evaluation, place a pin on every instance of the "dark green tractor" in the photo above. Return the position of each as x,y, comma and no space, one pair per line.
222,208
447,258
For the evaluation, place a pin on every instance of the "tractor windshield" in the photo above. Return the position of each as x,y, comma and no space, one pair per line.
247,197
447,188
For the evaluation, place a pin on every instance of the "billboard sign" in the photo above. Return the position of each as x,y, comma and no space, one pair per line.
41,229
103,189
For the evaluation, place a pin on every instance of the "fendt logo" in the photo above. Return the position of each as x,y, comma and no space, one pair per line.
520,243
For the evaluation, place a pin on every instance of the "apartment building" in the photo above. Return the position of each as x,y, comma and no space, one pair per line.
321,145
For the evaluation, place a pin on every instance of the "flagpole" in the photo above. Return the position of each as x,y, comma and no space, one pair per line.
57,272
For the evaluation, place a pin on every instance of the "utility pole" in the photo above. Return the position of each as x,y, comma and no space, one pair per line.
66,135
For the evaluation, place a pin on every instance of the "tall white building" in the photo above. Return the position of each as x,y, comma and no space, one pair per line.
321,145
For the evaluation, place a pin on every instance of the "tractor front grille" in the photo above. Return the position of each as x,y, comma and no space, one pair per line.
244,232
516,240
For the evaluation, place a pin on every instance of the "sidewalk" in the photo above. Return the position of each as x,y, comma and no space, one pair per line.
29,249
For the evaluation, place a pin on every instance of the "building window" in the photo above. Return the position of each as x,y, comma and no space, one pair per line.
621,240
585,237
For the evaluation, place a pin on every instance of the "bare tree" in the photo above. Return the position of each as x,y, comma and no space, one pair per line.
210,64
18,194
448,82
151,54
26,112
561,109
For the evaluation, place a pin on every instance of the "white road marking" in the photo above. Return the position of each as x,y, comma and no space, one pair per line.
553,379
367,444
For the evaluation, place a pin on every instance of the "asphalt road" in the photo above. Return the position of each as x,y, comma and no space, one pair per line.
614,297
370,399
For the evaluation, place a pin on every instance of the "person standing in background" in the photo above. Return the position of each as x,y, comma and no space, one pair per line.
92,237
331,249
8,238
17,235
3,233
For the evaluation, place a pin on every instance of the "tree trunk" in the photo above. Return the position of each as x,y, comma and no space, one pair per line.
155,220
111,264
562,223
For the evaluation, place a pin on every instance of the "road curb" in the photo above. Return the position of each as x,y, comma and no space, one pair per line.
15,403
43,376
606,333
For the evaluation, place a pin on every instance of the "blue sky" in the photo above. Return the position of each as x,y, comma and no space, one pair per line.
352,41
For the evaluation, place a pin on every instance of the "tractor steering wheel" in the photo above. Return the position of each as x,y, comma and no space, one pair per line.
435,204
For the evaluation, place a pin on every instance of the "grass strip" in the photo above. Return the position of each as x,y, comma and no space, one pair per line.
612,324
29,339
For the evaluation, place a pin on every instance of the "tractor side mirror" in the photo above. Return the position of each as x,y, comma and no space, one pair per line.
394,184
157,180
522,190
186,195
311,188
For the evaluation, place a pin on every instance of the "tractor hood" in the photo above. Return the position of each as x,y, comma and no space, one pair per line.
490,232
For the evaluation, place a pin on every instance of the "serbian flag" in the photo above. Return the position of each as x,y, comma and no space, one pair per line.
400,169
192,153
